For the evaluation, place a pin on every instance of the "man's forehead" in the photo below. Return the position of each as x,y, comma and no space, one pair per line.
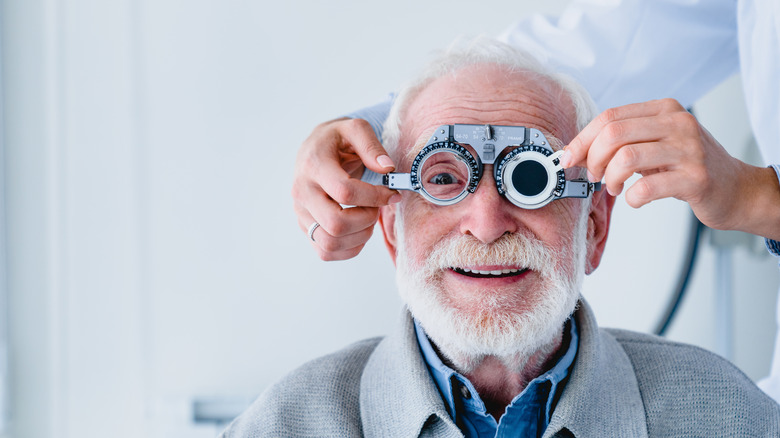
420,142
487,95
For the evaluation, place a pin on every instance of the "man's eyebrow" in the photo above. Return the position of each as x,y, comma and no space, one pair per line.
422,140
554,142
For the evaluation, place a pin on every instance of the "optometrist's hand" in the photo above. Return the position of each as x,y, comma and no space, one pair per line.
327,175
677,158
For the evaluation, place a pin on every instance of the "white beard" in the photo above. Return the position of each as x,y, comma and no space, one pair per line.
511,328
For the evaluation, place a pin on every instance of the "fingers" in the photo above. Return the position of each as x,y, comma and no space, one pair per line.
577,152
644,158
359,134
331,178
339,221
614,138
342,233
658,186
650,144
331,248
675,155
668,169
329,165
644,137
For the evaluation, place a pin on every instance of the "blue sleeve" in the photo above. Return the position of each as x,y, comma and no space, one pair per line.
773,245
375,116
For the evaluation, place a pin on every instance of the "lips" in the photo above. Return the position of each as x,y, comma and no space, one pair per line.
489,273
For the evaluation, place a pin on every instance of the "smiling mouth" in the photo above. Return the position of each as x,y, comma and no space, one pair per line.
497,273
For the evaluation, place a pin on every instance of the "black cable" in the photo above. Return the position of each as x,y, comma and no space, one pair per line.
694,235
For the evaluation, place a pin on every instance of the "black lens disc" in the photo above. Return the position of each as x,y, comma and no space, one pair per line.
529,178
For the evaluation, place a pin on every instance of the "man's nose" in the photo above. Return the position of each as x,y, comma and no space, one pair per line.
488,215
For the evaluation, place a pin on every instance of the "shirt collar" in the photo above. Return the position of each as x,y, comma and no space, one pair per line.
445,376
399,397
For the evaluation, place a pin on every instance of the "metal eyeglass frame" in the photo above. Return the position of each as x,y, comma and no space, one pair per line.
531,148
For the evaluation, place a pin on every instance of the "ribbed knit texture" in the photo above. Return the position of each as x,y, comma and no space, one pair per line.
622,384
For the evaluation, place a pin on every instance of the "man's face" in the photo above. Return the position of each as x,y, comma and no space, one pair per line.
483,276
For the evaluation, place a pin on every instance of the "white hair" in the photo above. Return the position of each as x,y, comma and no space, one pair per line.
482,50
510,327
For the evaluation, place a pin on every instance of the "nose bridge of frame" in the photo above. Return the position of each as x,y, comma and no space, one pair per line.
488,141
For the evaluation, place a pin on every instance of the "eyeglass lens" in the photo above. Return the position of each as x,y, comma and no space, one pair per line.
444,175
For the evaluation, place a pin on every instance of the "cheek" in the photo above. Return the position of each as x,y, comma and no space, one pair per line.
423,226
554,224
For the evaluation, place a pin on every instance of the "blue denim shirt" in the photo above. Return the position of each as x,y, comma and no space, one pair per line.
529,413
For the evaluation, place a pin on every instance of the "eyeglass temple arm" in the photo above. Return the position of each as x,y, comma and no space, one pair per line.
579,188
398,181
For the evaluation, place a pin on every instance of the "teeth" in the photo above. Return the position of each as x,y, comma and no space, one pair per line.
494,272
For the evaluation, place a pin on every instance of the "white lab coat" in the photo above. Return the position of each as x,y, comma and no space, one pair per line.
626,51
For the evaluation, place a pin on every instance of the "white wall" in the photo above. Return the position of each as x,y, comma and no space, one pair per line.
4,414
153,254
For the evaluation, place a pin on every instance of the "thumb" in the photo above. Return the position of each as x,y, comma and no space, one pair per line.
576,152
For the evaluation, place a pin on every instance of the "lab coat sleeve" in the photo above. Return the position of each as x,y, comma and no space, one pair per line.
626,51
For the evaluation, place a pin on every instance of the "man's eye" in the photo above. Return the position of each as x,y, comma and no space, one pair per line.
443,178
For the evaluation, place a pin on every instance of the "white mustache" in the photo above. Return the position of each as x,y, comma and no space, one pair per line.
515,250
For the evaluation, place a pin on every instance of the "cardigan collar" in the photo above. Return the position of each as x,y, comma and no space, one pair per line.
398,396
602,396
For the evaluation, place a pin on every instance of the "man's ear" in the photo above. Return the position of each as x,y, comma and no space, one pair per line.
387,222
598,228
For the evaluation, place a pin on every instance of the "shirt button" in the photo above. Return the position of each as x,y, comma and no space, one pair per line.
465,392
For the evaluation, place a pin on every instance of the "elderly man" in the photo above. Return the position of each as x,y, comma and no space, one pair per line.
497,340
